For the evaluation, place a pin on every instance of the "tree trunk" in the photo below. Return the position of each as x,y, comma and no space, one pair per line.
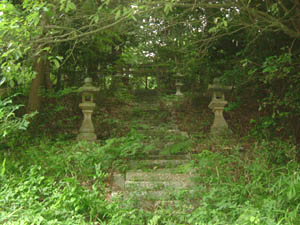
146,82
58,82
42,79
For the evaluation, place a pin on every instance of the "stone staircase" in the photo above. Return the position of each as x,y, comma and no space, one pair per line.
153,182
162,176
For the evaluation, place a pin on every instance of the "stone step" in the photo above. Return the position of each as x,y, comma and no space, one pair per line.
158,156
160,195
155,199
157,175
155,130
155,169
188,204
149,109
156,163
117,182
157,185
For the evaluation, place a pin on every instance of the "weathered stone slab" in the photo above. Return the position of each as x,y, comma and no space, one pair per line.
170,157
158,175
159,195
156,163
148,185
118,182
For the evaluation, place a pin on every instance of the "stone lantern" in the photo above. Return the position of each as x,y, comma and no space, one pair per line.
217,105
87,131
179,84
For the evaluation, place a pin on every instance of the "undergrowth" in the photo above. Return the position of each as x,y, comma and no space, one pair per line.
48,181
64,183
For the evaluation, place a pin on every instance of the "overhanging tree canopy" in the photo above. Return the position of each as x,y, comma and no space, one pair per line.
248,43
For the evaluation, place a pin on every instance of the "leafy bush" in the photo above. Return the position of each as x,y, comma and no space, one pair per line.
57,183
9,123
251,189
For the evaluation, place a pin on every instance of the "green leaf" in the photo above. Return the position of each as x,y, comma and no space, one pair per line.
56,62
133,17
168,7
3,167
118,14
106,2
2,81
291,193
225,23
96,18
47,49
70,6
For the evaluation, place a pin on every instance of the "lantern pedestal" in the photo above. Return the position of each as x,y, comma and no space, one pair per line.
178,89
87,131
219,126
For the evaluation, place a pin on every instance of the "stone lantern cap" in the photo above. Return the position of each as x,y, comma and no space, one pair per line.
88,86
88,90
217,89
179,76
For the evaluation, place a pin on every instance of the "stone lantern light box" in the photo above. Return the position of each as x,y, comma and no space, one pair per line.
87,131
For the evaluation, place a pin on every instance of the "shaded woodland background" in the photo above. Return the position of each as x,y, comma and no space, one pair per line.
126,46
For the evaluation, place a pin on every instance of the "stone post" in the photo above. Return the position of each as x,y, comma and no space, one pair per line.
217,105
179,84
87,131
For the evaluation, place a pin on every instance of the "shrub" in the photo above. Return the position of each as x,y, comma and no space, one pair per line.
9,123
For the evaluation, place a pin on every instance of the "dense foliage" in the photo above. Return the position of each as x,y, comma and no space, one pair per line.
63,183
253,45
